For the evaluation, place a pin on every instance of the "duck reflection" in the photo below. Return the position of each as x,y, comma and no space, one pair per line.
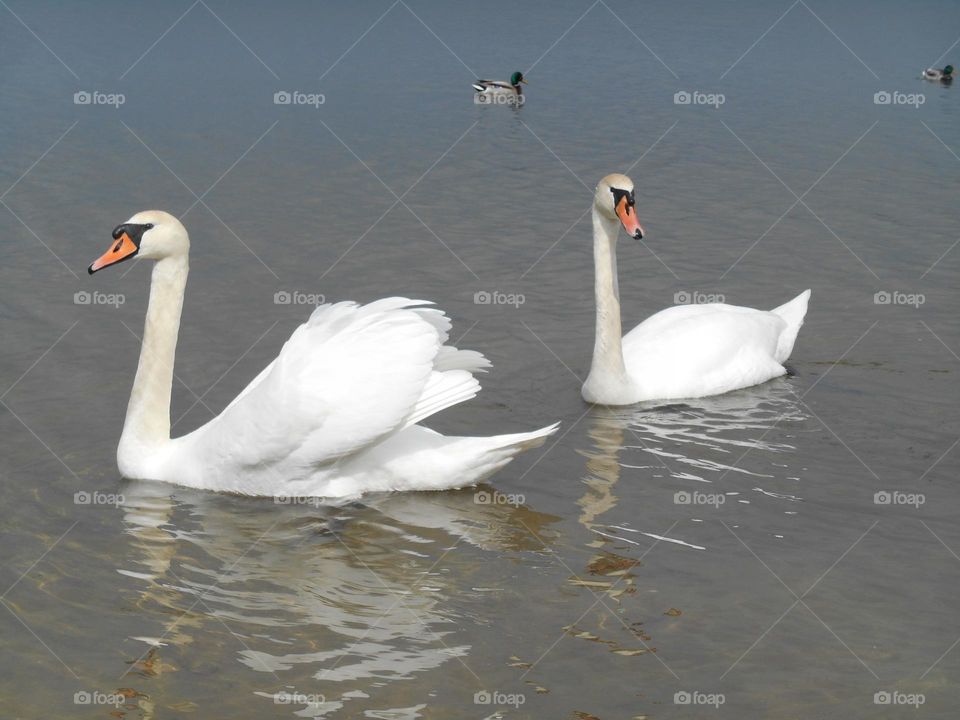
328,605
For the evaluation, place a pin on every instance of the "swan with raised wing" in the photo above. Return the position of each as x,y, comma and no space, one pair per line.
685,351
334,415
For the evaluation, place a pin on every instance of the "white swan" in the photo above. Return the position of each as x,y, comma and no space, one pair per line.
685,351
333,416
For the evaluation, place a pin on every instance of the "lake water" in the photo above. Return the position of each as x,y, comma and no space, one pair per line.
728,558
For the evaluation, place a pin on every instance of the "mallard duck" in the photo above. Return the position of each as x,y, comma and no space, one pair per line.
945,75
490,89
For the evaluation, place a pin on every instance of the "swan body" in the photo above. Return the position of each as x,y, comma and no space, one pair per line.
686,351
334,415
945,75
493,90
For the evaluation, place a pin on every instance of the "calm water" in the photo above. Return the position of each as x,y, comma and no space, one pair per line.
783,588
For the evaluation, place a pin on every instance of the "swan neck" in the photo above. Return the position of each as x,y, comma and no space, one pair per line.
607,349
147,423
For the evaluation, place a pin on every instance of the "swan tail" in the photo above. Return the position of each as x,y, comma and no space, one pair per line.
792,314
418,458
518,442
492,453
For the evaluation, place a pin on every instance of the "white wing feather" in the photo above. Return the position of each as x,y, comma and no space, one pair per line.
335,414
345,379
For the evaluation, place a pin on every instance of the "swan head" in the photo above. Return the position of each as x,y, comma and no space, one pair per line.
517,78
614,200
152,234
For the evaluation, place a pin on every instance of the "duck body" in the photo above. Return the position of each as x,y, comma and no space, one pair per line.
335,415
944,75
685,351
500,90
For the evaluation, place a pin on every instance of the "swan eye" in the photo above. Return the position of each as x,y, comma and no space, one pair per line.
619,194
148,226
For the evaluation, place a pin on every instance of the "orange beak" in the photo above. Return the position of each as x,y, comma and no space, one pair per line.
122,249
628,216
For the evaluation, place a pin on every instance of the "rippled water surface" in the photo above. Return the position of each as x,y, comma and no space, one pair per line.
785,551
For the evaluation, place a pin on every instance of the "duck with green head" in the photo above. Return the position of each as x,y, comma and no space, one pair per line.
945,75
490,89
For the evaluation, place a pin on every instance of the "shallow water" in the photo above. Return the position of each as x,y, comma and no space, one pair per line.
731,548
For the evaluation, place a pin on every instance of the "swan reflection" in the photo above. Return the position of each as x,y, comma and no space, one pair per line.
639,459
696,444
326,605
